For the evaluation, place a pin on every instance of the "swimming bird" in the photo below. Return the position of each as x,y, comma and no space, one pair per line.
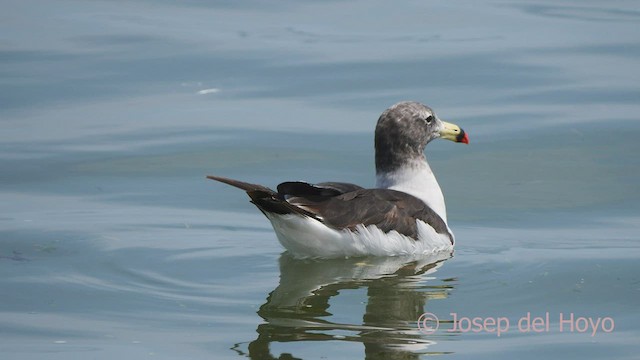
404,215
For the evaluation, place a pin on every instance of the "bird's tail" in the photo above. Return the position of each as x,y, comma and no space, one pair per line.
264,198
240,184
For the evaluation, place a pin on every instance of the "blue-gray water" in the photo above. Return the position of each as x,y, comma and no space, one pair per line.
113,244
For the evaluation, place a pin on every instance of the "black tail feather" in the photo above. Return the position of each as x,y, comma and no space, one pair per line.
264,198
241,184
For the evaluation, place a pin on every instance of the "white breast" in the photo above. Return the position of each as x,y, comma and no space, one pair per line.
418,180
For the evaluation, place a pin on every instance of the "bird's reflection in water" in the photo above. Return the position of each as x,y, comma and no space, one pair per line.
397,291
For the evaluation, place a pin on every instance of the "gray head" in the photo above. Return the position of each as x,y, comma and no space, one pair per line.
403,131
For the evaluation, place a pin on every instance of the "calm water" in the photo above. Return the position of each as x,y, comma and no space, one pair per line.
112,243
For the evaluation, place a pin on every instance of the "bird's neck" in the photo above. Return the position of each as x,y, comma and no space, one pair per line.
415,178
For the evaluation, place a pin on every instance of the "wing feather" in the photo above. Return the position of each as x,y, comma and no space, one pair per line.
387,209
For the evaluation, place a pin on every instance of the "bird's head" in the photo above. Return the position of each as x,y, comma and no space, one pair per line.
413,125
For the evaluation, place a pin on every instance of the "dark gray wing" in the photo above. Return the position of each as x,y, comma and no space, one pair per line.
320,190
309,196
384,208
340,186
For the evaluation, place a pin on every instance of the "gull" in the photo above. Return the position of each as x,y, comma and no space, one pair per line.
404,215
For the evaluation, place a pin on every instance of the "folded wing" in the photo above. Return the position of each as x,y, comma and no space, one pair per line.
344,205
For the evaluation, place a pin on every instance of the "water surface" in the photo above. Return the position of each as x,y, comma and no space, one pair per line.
112,243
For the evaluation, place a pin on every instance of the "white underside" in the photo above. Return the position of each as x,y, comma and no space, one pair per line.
306,237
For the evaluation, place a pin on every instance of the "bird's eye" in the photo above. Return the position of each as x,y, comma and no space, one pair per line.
429,119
